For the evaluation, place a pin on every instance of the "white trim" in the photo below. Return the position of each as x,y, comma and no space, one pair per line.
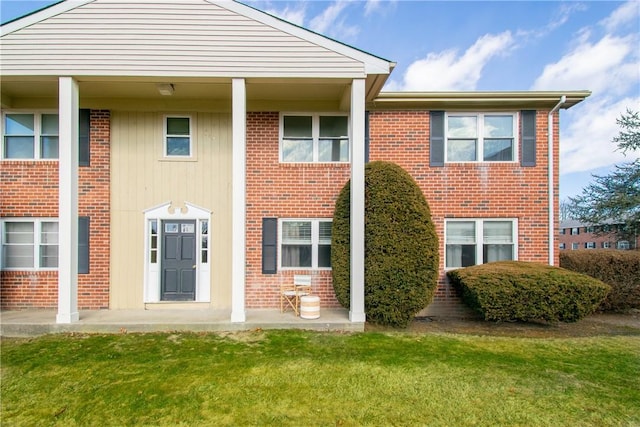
41,16
371,63
238,198
315,135
479,234
37,133
356,311
315,242
68,132
480,135
191,136
153,271
37,235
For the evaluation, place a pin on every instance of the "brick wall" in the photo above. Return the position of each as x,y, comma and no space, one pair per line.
30,189
283,191
481,190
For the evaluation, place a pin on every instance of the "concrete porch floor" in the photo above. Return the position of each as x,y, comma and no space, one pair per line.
27,323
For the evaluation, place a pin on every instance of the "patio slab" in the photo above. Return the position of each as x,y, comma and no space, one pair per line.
28,323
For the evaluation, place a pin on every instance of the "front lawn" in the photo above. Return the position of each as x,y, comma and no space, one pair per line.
302,378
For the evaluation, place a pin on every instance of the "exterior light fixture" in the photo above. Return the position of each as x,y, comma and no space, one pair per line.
165,89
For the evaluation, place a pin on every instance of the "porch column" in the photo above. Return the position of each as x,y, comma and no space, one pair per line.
68,201
356,313
238,199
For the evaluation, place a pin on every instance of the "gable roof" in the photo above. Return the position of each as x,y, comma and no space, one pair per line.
190,38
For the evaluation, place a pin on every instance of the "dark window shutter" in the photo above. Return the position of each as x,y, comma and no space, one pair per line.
436,138
528,138
85,128
269,245
83,245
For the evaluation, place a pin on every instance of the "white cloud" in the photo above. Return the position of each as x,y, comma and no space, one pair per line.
379,6
449,71
294,15
628,13
331,22
610,65
585,144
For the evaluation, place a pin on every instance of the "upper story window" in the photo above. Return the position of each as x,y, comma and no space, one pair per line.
314,138
575,231
177,137
479,241
30,244
481,137
305,244
30,136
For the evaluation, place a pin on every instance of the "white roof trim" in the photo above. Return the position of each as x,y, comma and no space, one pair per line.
36,17
372,64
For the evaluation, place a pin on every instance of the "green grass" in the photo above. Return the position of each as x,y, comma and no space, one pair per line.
307,378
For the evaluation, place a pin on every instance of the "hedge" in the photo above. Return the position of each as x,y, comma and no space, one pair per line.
526,291
619,269
401,246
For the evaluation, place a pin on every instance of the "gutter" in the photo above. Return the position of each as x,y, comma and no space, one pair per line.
552,222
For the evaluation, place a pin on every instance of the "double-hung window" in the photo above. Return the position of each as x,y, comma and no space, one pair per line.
314,138
177,137
305,244
30,136
28,245
481,137
479,241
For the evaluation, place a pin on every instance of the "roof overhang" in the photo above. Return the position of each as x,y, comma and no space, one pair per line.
475,100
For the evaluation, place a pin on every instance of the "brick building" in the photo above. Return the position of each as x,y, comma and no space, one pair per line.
199,167
576,235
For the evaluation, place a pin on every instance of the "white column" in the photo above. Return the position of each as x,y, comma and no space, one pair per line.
238,199
357,314
68,202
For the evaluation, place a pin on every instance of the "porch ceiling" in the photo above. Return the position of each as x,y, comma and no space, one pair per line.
195,94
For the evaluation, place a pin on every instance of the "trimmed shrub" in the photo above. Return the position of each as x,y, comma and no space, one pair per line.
525,291
618,269
401,246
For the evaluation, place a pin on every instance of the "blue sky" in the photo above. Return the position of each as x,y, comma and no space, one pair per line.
497,45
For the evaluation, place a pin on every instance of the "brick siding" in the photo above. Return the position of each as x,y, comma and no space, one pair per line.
30,189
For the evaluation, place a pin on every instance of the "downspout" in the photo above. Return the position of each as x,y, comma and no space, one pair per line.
552,214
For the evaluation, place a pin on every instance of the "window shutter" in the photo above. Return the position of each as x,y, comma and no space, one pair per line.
269,245
85,127
528,138
83,245
436,138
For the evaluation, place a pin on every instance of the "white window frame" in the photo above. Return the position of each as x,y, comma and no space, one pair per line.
37,134
480,135
165,135
590,245
479,237
623,245
315,241
575,246
606,245
37,243
562,246
315,136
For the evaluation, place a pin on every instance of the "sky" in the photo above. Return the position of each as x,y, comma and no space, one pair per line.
492,45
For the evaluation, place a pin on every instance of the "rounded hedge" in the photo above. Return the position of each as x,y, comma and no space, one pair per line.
401,246
524,291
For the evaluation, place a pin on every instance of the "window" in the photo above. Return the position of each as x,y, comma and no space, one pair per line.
623,244
590,229
606,245
575,246
30,244
481,137
562,231
562,246
30,136
590,245
471,242
575,231
177,137
305,244
314,138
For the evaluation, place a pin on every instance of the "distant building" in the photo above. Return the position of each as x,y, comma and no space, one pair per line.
578,235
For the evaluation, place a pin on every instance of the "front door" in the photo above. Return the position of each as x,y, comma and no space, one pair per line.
178,261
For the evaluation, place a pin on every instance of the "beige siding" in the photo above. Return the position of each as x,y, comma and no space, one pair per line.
165,38
141,179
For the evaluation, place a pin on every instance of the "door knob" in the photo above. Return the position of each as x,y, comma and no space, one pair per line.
194,267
